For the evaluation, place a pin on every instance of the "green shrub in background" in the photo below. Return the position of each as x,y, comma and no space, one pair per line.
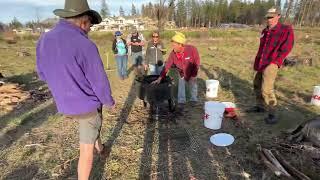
231,33
33,37
215,33
167,34
102,35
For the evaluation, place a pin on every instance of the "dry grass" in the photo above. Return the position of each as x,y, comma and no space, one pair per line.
37,139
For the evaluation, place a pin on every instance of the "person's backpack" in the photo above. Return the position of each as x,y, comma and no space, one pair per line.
121,47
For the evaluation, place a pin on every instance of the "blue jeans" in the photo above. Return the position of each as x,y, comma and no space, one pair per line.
122,62
192,85
155,69
137,58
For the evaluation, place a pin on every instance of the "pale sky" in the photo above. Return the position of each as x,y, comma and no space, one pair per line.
27,10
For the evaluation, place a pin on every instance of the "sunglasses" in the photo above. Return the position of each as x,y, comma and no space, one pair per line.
155,36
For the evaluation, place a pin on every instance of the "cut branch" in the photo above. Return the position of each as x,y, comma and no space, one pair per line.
272,167
290,168
274,161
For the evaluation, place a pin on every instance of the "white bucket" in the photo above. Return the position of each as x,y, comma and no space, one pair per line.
212,88
213,114
315,100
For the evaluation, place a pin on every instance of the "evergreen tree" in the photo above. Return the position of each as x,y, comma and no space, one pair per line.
133,10
271,3
181,13
121,11
104,9
15,24
31,24
285,7
278,3
143,13
208,13
234,10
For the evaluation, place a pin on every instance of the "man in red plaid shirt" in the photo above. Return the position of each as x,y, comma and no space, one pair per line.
276,42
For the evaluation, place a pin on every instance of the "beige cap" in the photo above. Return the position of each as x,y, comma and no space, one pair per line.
273,12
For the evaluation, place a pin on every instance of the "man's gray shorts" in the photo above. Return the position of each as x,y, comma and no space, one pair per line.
89,126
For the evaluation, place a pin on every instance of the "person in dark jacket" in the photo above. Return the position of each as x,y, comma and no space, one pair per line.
154,55
120,50
135,41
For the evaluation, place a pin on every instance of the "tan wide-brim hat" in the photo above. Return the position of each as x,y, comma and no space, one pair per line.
74,8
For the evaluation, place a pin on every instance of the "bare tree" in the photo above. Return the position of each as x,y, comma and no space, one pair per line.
38,18
288,10
315,13
162,12
309,11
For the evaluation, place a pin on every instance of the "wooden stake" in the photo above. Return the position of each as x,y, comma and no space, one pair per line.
107,60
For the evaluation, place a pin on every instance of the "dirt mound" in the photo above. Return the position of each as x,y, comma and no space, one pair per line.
9,37
11,95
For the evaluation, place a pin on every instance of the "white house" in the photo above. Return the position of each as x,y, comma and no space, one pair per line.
118,23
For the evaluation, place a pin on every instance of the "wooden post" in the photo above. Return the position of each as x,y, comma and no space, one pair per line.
107,54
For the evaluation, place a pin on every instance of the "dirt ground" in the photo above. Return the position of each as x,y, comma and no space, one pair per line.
38,143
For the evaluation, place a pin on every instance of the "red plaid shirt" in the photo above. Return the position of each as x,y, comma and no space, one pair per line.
187,62
275,45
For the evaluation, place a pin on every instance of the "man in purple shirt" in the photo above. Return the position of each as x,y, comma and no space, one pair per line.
71,65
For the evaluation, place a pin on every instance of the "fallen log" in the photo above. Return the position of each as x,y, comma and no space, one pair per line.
272,167
14,94
32,145
290,168
308,130
274,161
295,60
9,88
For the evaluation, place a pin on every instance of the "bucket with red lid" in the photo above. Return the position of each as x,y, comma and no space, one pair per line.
230,110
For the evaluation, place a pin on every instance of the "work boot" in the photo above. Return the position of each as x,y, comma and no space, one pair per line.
193,103
271,119
180,108
256,109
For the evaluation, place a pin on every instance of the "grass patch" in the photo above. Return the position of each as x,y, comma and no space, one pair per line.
142,149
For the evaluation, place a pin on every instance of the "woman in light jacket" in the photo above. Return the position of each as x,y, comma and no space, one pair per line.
120,51
154,55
